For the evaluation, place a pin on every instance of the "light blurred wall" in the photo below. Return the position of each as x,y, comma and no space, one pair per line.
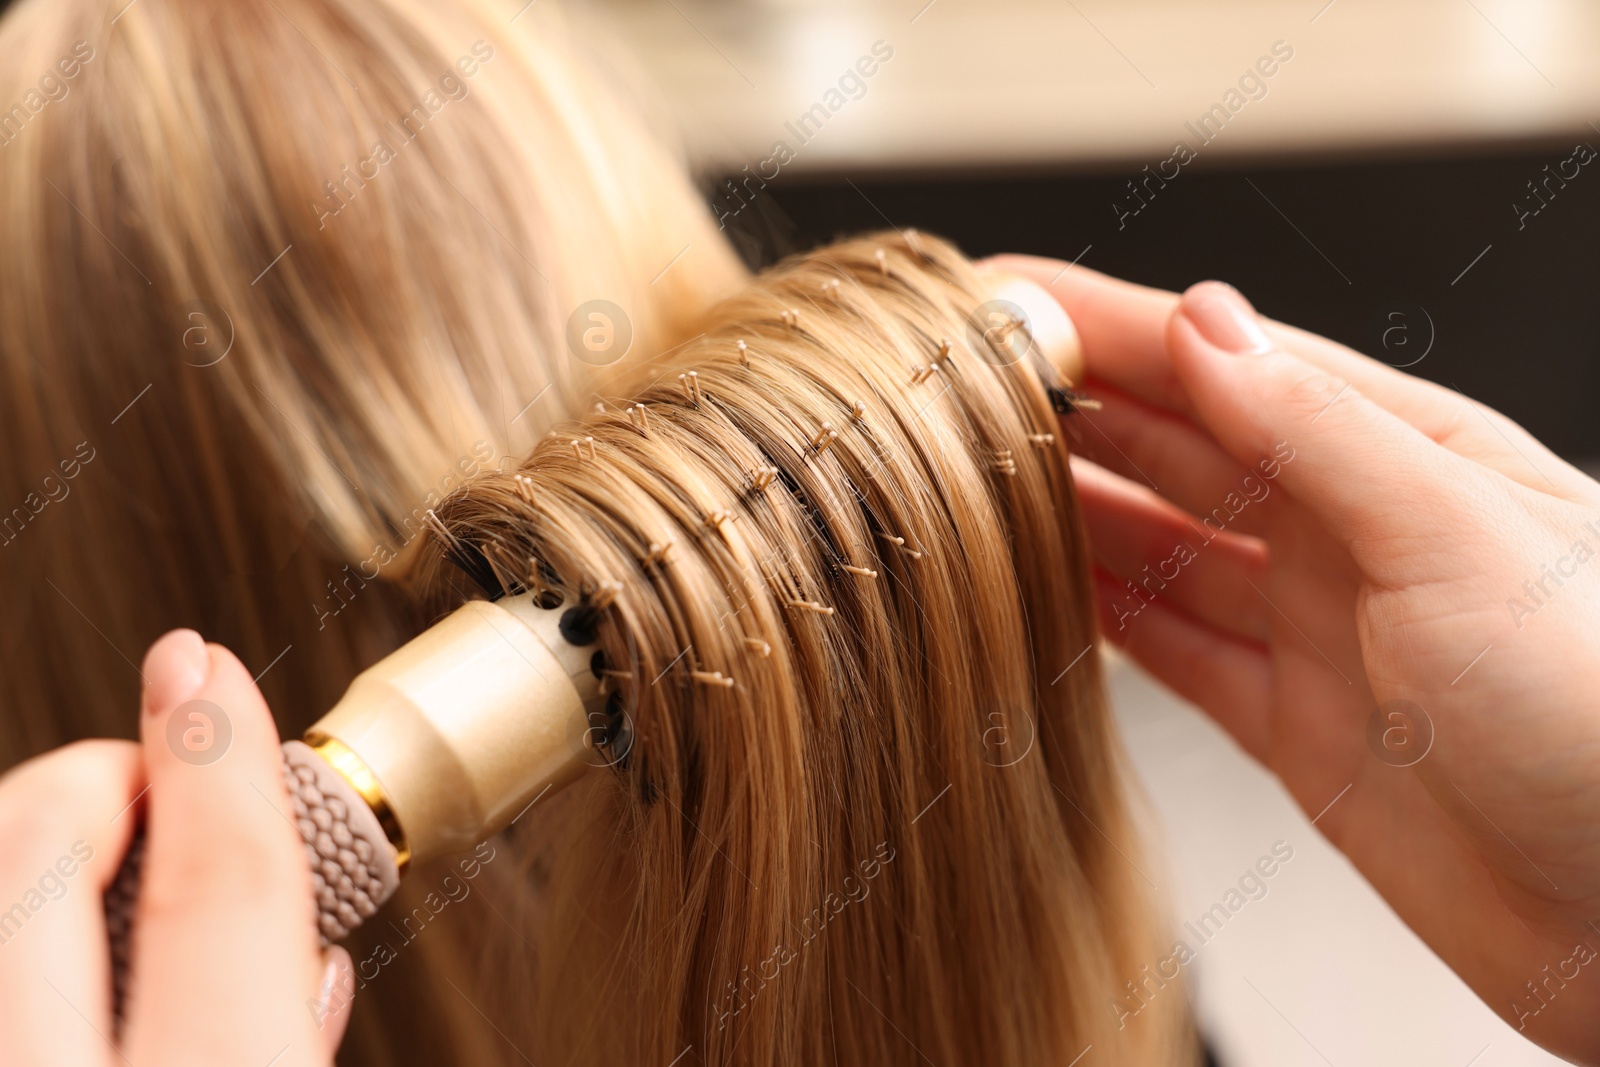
1009,82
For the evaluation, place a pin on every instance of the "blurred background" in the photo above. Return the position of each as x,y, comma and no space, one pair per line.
1410,177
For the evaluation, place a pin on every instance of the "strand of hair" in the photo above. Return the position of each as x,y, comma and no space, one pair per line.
1005,329
691,387
468,557
605,594
524,487
434,523
900,543
1067,402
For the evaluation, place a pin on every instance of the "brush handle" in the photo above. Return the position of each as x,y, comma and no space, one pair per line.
353,868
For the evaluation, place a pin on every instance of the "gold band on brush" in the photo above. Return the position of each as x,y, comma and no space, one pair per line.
366,784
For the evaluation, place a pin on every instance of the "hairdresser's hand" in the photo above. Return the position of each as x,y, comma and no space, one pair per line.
226,957
1383,539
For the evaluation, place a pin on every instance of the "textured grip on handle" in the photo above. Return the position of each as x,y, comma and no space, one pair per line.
352,864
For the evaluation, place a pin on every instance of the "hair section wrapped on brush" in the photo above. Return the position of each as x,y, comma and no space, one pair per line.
858,808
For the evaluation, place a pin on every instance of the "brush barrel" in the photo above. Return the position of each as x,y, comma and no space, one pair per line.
460,730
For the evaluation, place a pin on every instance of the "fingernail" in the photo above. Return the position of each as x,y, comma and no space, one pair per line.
338,986
175,668
337,963
1226,319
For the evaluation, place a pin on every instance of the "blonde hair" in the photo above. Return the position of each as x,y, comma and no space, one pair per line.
824,574
375,352
277,275
244,349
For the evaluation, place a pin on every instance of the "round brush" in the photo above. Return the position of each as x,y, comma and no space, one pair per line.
447,740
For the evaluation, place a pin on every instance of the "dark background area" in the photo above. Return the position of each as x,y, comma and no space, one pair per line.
1370,252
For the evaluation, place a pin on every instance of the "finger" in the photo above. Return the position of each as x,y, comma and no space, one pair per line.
1383,489
334,996
1123,326
1227,678
1182,463
1159,551
1464,426
65,823
226,953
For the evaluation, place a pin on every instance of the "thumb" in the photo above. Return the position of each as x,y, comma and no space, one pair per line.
1374,482
226,951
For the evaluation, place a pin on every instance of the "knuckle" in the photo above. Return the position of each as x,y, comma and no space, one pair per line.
47,802
31,838
48,799
1305,393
